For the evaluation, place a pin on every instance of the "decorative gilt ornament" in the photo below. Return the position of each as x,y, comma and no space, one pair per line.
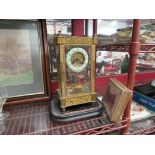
76,70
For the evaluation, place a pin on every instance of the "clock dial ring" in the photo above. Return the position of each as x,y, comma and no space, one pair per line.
77,59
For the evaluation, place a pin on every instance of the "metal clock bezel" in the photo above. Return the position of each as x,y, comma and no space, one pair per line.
69,55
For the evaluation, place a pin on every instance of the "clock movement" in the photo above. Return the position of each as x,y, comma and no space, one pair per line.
76,70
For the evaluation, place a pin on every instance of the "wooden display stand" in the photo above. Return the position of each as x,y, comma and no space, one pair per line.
74,113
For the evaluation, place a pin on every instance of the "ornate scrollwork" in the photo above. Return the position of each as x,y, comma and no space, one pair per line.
76,100
76,40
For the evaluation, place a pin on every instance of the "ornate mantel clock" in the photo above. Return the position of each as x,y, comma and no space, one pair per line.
76,70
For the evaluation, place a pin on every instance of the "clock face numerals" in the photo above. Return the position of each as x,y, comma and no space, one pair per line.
77,59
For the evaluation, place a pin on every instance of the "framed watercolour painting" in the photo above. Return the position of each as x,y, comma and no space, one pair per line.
21,58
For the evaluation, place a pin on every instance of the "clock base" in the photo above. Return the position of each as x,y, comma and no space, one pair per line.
75,112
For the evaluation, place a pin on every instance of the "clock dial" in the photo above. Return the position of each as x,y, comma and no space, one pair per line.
77,59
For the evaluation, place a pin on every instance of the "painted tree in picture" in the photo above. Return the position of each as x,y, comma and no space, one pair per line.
15,57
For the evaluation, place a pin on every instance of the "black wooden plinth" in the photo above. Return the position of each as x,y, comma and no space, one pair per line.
74,113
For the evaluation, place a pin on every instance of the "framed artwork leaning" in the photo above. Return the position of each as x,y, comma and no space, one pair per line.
22,56
115,99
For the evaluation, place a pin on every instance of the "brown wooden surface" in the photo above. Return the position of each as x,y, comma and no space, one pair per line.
25,101
47,78
86,27
94,27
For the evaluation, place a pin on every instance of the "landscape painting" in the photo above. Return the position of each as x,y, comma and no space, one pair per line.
15,57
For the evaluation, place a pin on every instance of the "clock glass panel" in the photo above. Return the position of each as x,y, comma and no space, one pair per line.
77,69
